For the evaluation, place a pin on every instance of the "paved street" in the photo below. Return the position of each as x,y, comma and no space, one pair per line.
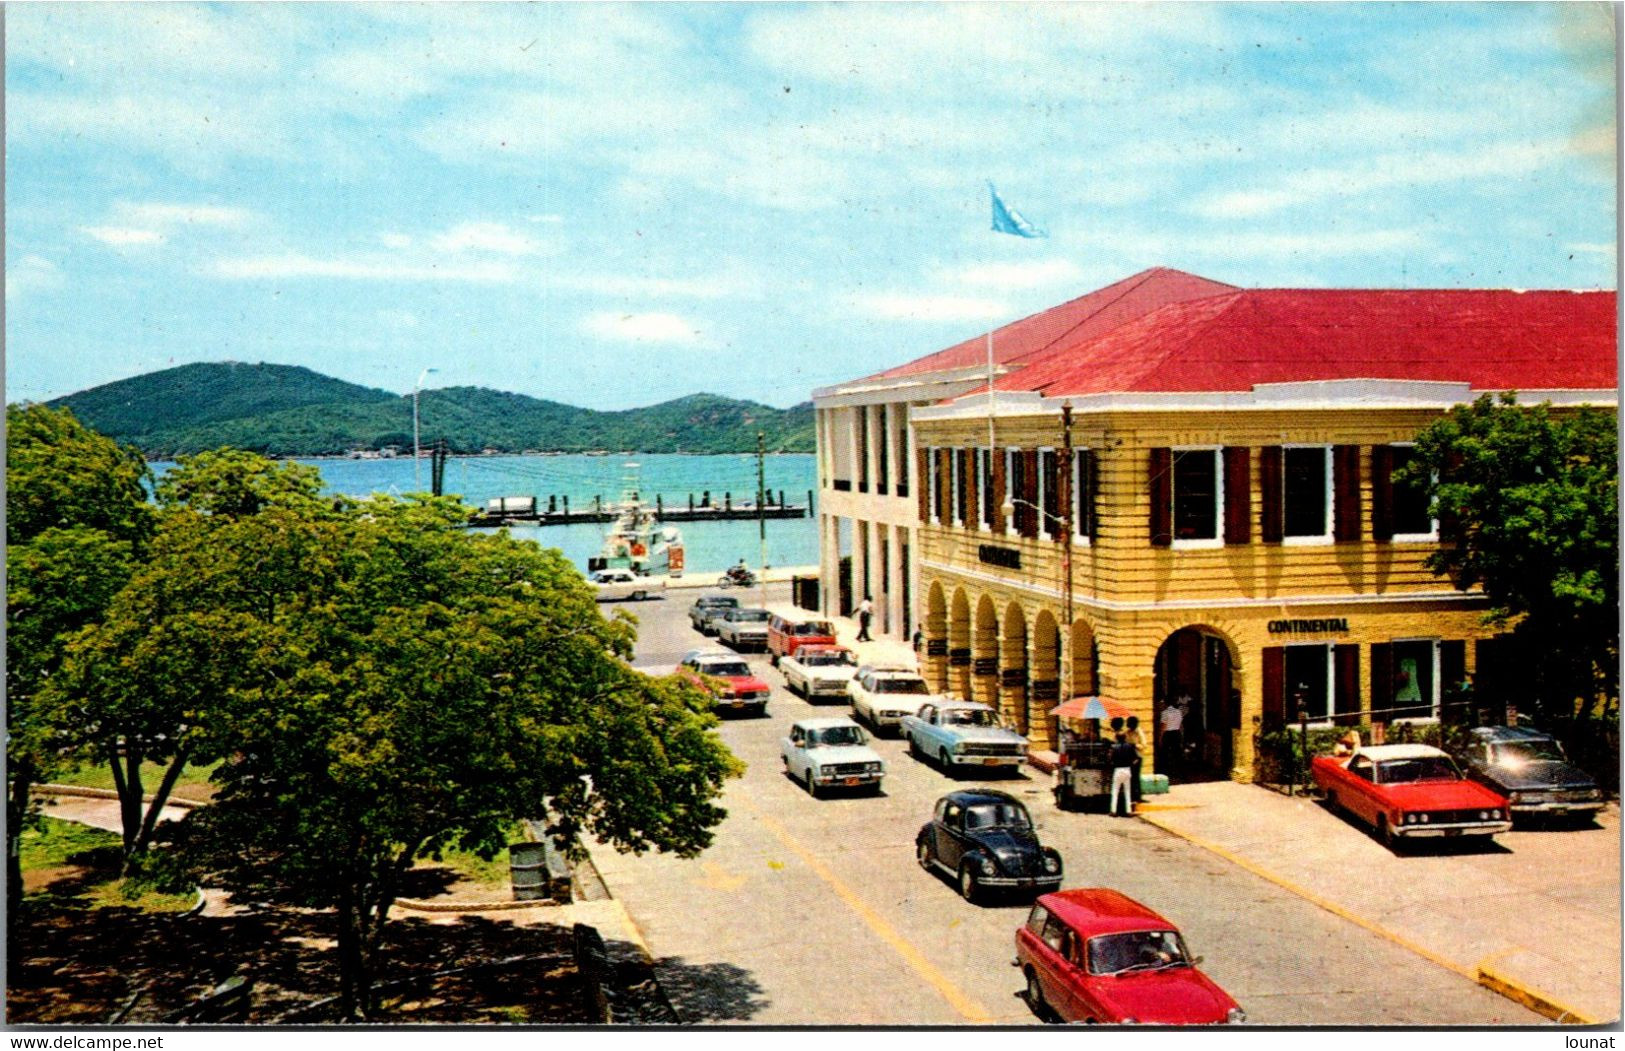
813,912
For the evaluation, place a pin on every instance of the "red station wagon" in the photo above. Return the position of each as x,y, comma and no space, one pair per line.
1097,956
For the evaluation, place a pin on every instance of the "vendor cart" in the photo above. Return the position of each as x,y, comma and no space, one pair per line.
1083,777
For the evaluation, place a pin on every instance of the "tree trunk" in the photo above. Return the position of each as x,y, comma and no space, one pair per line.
127,782
355,988
22,780
167,785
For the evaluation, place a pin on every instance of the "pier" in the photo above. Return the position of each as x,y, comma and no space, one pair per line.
527,510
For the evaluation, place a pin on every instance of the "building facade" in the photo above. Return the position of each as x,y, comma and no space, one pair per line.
1192,504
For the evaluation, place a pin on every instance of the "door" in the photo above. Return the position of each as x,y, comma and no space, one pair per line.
950,833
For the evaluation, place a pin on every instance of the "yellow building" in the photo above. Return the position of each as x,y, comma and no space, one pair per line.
1177,491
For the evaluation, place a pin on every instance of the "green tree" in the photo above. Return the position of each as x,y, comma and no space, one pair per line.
76,520
386,684
236,483
1528,504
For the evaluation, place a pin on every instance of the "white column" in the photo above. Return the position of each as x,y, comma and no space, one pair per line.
829,563
894,581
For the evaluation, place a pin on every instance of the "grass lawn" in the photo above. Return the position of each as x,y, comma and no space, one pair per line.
470,866
68,861
193,783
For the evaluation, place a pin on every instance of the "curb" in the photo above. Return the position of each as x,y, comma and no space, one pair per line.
84,792
1482,974
416,905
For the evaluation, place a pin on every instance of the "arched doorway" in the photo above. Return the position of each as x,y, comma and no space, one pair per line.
1044,693
935,664
1084,660
1013,668
985,655
1196,671
959,645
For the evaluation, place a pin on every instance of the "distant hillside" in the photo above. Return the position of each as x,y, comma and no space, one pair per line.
287,410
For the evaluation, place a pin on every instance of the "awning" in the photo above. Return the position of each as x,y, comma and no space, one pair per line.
1092,708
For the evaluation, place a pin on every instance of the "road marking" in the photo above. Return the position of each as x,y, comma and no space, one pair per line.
968,1008
719,878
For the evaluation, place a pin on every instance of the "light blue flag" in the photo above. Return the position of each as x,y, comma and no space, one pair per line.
1006,220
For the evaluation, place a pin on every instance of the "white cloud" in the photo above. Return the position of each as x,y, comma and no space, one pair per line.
155,214
362,268
895,307
485,237
30,275
393,240
1593,249
123,236
643,328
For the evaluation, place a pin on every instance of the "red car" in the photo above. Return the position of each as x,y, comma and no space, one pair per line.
1097,956
728,679
1409,791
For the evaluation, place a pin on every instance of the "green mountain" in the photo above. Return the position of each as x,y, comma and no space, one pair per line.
286,410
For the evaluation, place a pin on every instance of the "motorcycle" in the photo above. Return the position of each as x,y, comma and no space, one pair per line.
737,577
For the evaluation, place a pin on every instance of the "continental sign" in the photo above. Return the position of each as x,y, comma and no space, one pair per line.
1293,627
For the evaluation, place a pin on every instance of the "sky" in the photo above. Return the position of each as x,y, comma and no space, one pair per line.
612,206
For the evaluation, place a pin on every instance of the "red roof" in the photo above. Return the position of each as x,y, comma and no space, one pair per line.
1070,323
1492,340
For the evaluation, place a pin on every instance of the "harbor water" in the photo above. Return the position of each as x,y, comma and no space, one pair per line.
709,547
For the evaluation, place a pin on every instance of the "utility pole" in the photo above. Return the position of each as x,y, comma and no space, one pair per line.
1067,470
761,512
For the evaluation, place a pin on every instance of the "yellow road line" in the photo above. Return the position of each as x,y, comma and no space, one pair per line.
968,1008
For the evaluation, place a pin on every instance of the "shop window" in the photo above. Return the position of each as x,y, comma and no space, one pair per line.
1412,691
1309,684
1197,497
1306,494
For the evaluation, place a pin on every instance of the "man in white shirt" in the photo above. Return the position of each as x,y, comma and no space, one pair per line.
1172,740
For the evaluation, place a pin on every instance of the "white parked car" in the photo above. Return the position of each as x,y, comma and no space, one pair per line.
830,753
742,628
883,694
615,585
819,671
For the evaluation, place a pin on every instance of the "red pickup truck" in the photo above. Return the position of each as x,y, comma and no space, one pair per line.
1409,791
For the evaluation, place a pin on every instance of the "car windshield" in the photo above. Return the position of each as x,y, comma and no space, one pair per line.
826,660
914,686
812,627
970,717
997,815
718,603
1520,753
1136,951
1422,768
748,616
834,735
726,668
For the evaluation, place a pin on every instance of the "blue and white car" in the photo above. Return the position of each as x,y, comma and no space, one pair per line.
830,753
963,733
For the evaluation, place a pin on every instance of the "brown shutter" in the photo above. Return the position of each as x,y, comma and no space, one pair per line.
998,491
1271,520
1274,682
1382,681
1049,523
1347,658
1026,513
1161,485
943,487
1382,492
1452,670
1092,507
924,494
962,486
1346,492
1238,493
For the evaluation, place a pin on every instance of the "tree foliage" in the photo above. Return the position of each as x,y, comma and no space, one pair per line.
76,521
382,684
1528,503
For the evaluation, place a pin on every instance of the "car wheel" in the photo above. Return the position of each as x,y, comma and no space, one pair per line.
947,764
761,711
1035,996
639,596
1385,833
914,747
1331,802
922,854
967,884
812,785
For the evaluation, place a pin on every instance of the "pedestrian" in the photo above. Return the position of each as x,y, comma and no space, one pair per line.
1135,738
866,613
1172,740
1122,757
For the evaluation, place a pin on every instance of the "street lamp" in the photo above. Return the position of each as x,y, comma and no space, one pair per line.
417,484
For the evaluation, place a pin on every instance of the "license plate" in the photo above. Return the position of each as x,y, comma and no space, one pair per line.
1452,832
738,704
1560,810
990,762
852,780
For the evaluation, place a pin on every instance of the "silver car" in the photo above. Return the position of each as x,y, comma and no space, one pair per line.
742,628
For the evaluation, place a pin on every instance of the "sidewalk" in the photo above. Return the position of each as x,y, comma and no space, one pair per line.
1536,919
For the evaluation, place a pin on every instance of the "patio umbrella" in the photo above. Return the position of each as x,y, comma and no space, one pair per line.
1092,708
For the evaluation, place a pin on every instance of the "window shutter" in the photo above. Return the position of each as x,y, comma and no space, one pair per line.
1091,510
1452,670
1347,658
1238,492
1271,520
999,483
1162,496
1382,681
1026,515
1382,492
1274,683
943,488
924,494
1346,492
962,510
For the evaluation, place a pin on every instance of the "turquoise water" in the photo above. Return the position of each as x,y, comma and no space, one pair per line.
710,546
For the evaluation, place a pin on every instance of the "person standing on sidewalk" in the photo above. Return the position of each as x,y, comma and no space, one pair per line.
1122,758
866,613
1137,739
1173,737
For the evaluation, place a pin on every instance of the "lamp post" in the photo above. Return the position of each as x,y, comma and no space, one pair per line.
417,484
1008,508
